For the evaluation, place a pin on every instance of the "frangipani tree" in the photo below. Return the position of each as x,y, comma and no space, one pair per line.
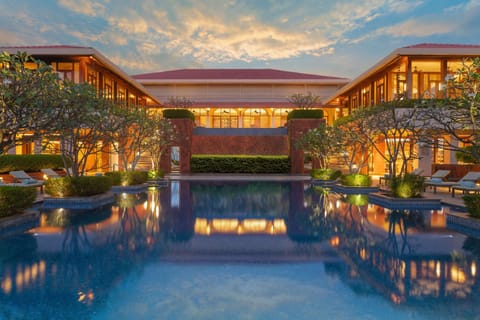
164,135
83,120
136,125
392,131
322,143
458,114
304,101
356,146
29,93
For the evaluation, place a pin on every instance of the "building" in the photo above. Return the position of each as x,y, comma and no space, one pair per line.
248,107
85,64
238,98
412,72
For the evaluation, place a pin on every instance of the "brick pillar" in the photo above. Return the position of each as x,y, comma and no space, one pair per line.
184,129
296,128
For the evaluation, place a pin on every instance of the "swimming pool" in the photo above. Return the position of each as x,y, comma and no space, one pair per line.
243,250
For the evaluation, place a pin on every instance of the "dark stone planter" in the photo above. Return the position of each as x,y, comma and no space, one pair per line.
130,189
318,182
389,202
463,223
19,223
353,190
87,203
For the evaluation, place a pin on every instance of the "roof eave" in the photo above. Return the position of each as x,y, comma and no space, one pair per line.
460,52
81,51
339,81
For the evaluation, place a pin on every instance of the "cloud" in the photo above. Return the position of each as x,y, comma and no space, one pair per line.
85,7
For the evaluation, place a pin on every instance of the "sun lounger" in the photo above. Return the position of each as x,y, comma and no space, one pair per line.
437,180
26,180
468,183
417,171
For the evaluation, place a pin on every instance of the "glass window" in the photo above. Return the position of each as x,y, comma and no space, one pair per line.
201,116
255,118
426,79
280,117
225,118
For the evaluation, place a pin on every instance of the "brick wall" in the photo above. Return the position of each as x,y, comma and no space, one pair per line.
246,145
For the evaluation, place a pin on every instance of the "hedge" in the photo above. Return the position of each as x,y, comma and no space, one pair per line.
178,114
127,178
239,164
356,180
325,174
29,162
15,199
77,186
305,114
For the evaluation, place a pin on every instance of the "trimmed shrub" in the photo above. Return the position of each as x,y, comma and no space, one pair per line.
15,199
29,162
305,114
325,174
156,174
78,186
127,178
472,203
356,180
408,186
239,164
178,114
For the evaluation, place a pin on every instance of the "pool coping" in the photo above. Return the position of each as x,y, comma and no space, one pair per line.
386,201
19,222
86,203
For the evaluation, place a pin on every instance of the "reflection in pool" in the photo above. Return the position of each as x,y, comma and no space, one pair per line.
256,250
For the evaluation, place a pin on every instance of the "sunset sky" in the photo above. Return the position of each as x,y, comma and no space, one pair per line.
337,38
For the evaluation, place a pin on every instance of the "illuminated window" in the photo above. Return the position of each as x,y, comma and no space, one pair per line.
225,118
255,118
201,116
280,117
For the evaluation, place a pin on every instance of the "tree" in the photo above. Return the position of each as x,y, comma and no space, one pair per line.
135,126
394,126
457,115
28,96
304,101
357,149
164,136
322,143
83,120
179,102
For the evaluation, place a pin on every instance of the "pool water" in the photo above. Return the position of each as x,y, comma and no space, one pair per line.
244,250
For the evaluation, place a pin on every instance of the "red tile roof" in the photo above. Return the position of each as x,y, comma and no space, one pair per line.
230,74
442,45
45,47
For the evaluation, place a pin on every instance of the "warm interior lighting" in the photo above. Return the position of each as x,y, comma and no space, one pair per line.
335,241
457,274
363,254
7,284
438,269
473,269
205,226
225,225
254,225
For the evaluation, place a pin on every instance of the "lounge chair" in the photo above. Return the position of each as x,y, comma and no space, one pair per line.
437,180
468,183
26,180
49,173
417,171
